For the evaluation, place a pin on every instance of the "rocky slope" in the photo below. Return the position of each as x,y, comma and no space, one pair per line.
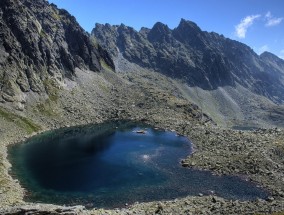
206,60
226,78
40,45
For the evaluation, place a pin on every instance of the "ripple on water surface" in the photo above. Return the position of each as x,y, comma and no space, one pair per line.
110,164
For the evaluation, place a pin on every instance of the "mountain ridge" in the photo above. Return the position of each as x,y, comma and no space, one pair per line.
203,59
40,46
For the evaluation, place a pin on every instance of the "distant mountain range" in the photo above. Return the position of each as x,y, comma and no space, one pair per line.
202,59
41,46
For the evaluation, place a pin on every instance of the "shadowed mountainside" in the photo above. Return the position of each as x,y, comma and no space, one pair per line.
39,46
202,59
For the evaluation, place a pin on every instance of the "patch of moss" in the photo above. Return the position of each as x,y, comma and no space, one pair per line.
104,65
55,15
22,122
94,42
42,33
51,89
45,108
104,88
54,97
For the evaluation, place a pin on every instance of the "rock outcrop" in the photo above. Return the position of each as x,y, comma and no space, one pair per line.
203,59
41,45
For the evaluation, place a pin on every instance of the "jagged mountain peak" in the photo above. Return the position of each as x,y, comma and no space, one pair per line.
189,33
40,45
269,55
203,59
144,31
159,26
275,63
107,25
160,32
187,25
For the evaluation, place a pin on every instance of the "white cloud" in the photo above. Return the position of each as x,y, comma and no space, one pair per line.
242,27
263,49
268,15
272,21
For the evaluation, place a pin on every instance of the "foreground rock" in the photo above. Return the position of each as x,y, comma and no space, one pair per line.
42,209
256,155
191,206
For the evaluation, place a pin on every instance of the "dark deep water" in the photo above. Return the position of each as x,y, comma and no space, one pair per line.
108,165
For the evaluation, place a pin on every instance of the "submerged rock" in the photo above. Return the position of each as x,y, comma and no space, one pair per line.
141,132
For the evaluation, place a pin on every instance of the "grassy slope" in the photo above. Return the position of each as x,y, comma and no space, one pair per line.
28,125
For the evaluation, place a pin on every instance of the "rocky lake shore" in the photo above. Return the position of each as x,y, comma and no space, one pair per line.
254,155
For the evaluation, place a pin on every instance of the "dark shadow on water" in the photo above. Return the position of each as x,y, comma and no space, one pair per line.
108,165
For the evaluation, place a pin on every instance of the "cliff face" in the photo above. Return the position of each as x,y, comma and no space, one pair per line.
206,60
39,46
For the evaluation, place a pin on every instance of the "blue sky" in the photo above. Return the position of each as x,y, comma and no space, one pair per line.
257,23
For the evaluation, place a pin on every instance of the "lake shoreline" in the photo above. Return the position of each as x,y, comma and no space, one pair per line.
254,154
108,144
198,135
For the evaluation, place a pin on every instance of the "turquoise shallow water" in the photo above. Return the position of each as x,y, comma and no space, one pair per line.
108,165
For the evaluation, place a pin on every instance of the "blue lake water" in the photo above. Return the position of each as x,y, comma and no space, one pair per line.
109,164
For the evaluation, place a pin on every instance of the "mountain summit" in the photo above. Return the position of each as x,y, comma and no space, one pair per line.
203,59
39,46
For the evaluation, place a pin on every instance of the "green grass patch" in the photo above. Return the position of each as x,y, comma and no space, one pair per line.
43,109
20,121
94,42
104,88
55,15
52,89
46,108
105,66
42,33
